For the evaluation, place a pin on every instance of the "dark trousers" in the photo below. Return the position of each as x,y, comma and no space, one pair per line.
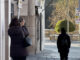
19,58
63,56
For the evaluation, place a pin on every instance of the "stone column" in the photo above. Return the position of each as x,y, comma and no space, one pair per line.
31,25
42,24
6,29
2,30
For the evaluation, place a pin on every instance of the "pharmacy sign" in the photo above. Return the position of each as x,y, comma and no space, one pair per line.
77,16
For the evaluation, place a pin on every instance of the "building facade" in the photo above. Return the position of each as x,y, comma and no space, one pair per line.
33,14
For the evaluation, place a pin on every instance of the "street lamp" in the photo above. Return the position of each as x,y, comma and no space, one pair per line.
79,22
67,15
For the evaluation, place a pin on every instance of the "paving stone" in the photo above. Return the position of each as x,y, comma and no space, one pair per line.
32,58
48,54
49,59
42,58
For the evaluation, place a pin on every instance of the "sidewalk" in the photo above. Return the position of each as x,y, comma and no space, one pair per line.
50,52
42,56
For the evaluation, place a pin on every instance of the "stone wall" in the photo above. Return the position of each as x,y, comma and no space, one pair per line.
28,13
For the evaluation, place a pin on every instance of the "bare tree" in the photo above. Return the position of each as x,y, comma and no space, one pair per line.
60,11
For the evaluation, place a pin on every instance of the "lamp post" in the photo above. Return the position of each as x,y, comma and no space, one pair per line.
67,16
79,10
79,17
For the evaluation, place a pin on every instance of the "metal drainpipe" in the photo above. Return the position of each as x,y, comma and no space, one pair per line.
40,32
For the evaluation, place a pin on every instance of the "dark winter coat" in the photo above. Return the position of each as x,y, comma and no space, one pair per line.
17,37
62,49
